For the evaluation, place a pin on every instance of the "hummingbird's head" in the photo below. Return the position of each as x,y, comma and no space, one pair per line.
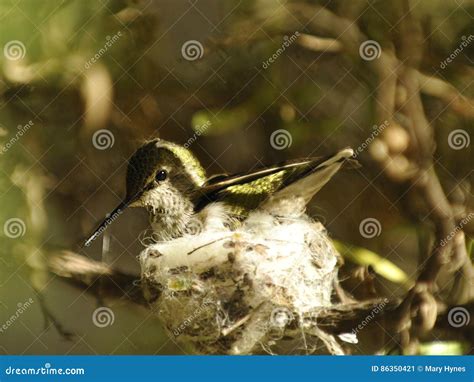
161,177
161,173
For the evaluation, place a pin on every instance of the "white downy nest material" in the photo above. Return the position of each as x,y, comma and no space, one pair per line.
245,291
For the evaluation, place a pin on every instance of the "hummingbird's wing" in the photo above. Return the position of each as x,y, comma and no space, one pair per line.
272,186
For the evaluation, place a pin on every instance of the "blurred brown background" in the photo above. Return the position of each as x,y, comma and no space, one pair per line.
83,83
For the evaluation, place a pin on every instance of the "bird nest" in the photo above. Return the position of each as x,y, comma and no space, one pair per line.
257,289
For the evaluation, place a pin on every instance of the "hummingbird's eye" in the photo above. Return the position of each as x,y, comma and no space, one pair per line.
160,175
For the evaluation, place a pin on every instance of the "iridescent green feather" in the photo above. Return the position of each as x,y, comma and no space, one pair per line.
245,192
188,160
242,198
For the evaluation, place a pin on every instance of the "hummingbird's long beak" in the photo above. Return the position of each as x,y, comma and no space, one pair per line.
107,221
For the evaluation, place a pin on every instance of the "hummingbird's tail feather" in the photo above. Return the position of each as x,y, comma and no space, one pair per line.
293,197
282,184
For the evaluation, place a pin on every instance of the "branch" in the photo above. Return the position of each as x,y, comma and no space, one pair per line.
347,38
95,277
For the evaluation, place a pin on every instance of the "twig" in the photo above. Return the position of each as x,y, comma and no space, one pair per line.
96,276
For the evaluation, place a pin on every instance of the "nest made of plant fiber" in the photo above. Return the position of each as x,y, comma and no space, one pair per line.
245,291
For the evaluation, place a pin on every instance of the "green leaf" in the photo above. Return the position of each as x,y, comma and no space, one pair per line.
380,265
442,348
219,122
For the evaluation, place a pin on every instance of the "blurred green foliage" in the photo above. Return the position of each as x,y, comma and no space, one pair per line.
118,65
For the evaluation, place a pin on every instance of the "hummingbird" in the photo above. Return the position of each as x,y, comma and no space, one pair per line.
168,180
